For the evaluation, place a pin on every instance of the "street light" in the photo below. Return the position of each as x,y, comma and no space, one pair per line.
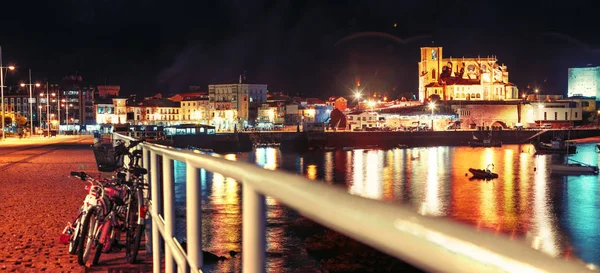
40,116
432,107
2,89
66,105
57,111
30,102
357,96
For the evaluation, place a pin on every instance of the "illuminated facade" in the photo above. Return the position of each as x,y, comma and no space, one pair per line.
237,97
195,110
339,103
584,82
463,78
363,120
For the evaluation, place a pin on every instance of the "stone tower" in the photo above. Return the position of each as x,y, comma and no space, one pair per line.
429,68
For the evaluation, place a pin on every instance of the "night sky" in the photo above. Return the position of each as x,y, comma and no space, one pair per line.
317,48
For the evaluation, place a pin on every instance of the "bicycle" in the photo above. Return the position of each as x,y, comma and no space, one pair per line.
97,208
136,206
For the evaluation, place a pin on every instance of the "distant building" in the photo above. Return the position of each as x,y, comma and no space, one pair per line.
463,78
360,120
584,82
107,91
189,96
339,103
237,97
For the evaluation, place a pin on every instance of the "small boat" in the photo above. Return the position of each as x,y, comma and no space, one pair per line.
577,168
348,148
329,148
485,143
484,173
402,146
556,146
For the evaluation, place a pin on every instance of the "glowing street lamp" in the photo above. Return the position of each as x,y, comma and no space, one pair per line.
432,107
2,89
357,95
30,102
40,115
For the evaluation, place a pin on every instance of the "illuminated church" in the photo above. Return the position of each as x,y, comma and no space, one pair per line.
463,78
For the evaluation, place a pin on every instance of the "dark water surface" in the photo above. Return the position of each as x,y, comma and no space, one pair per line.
558,215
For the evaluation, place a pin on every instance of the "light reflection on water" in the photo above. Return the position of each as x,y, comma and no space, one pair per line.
557,215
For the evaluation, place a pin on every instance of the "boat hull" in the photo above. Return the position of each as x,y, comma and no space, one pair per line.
485,144
482,174
574,169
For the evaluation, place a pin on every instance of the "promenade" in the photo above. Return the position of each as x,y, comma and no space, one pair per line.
37,198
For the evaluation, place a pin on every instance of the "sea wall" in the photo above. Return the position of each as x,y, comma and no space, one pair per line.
292,141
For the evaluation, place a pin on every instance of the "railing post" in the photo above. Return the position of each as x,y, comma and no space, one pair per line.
169,210
148,229
193,217
155,204
254,234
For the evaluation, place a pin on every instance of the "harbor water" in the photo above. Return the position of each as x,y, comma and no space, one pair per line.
557,215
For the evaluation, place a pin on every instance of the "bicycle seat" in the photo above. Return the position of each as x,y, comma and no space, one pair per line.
139,171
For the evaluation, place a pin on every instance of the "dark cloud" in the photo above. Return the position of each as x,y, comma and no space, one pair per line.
149,45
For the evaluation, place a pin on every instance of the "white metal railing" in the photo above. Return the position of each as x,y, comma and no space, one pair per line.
432,244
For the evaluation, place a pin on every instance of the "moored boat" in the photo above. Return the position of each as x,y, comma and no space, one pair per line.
485,143
556,146
484,173
577,168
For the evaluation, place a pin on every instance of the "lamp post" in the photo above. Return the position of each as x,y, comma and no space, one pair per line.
57,111
40,115
30,101
357,96
2,89
432,107
66,105
47,109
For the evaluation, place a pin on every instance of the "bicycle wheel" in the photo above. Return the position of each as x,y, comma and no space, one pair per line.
86,240
134,230
74,239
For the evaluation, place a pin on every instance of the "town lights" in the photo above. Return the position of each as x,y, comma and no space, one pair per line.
30,101
431,107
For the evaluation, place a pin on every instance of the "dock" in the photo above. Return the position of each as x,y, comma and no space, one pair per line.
37,199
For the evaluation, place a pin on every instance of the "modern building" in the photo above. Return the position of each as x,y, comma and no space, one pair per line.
463,78
584,82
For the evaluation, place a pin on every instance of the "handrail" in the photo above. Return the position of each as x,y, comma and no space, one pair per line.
432,244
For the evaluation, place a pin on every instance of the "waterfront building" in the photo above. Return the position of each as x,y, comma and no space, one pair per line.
511,114
361,120
189,96
237,97
463,78
195,110
292,114
339,103
584,82
111,111
161,112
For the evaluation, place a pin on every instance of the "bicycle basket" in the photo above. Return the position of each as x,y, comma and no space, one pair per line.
107,159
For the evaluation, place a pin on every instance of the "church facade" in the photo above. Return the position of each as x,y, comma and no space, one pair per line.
463,78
